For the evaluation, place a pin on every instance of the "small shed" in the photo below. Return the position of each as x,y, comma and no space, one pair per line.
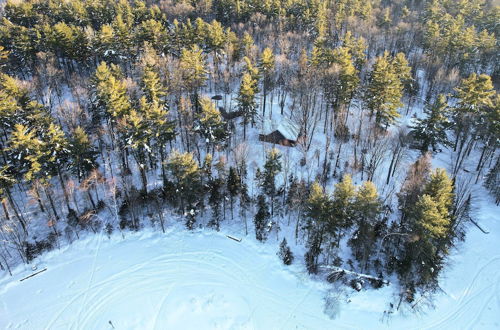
280,131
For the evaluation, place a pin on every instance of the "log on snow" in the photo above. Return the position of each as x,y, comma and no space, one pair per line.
339,270
29,276
234,238
478,226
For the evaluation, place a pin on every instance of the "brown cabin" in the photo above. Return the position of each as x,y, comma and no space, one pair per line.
277,137
283,132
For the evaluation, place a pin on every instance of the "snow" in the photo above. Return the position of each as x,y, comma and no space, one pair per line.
180,280
203,280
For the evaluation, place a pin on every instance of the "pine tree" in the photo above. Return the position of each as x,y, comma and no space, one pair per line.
233,186
135,134
430,219
285,253
210,124
186,175
4,56
357,48
272,168
124,36
153,32
216,39
318,215
367,209
412,188
56,154
215,187
160,129
266,66
431,130
440,189
26,150
261,218
348,79
110,92
7,181
342,204
151,85
431,232
247,43
385,89
317,207
193,70
82,153
475,95
246,100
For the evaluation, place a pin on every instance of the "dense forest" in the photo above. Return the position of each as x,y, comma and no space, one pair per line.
116,115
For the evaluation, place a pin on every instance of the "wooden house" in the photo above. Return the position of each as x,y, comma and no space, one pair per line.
280,131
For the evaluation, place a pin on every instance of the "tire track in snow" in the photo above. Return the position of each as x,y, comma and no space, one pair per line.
160,306
192,263
229,271
466,298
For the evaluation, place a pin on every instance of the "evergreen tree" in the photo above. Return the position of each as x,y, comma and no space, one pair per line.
474,96
440,189
82,153
210,124
193,70
385,89
412,188
110,92
430,219
7,181
266,65
186,175
246,100
215,200
357,49
318,214
261,218
153,32
342,207
151,85
135,134
272,168
26,150
216,39
348,79
56,154
233,186
367,209
4,56
431,130
160,130
285,253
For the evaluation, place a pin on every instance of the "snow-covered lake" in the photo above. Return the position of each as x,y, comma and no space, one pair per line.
203,280
177,280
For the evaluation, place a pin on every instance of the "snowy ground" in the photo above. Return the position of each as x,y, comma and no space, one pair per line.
203,280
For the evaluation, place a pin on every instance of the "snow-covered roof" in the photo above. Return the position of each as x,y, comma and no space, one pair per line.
285,126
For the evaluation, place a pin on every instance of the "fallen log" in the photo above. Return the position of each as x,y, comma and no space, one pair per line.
478,226
29,276
234,238
337,270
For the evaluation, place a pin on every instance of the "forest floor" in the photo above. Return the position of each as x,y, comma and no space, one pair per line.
202,279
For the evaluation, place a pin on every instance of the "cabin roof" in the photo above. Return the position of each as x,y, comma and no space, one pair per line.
283,125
